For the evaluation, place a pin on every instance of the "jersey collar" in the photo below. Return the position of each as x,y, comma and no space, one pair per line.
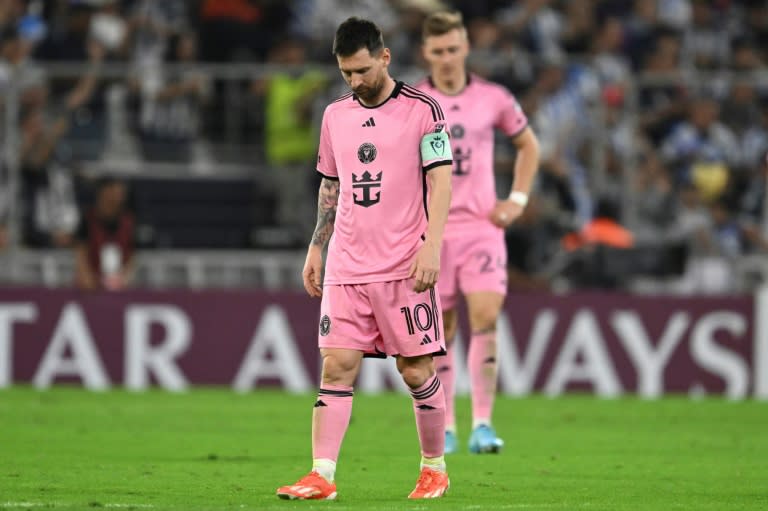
394,94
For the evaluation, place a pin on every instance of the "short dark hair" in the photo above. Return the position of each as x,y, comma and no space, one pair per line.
354,34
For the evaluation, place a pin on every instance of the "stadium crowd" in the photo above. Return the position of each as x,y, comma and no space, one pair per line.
652,116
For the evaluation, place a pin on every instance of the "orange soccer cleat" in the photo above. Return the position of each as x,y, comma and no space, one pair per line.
311,486
431,484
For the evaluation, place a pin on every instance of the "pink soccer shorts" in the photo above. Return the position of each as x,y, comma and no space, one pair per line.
382,318
473,263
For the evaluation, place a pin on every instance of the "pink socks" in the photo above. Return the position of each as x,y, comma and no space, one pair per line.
481,362
429,408
330,420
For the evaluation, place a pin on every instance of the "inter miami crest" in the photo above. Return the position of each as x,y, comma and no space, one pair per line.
325,325
366,153
457,131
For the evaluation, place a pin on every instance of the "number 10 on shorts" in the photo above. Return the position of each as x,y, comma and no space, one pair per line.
422,316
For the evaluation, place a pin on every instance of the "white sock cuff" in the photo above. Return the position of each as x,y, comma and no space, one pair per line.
325,467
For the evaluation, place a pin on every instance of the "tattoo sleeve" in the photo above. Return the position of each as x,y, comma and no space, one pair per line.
327,200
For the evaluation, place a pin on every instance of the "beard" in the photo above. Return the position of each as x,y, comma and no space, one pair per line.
369,94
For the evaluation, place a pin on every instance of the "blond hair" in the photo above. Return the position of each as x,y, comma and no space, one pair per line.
442,22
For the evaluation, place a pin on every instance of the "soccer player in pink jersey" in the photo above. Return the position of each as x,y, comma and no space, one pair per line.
474,256
384,149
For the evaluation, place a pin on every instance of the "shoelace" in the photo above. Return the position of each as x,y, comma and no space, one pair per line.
424,480
312,479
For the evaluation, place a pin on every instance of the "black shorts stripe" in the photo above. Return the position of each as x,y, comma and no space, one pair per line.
435,312
429,391
425,96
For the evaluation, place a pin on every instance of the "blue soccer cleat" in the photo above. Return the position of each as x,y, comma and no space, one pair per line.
451,444
484,440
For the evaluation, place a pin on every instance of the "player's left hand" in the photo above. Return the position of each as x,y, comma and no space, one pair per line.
505,212
426,267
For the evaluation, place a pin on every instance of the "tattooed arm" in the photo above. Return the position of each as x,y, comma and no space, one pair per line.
328,199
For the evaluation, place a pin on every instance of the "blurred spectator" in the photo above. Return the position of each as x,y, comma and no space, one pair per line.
702,150
106,240
655,198
78,41
754,140
740,109
170,102
152,25
662,103
498,57
562,119
752,201
674,13
50,213
641,25
578,27
291,135
538,24
16,65
706,44
49,208
611,66
755,19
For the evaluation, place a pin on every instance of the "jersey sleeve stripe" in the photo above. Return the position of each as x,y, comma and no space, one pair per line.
518,132
436,164
332,178
427,97
436,114
342,98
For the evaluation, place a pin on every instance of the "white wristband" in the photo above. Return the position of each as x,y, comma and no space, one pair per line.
519,198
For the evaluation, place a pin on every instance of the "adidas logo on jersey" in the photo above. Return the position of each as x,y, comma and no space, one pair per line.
369,123
425,340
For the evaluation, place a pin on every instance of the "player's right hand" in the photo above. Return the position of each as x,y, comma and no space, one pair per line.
312,273
425,267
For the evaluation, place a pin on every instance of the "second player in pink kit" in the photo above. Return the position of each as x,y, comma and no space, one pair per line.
474,257
385,159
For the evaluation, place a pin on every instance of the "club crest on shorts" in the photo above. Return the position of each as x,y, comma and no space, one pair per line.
325,325
366,153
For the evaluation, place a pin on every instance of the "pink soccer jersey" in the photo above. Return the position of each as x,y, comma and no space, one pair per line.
472,115
375,154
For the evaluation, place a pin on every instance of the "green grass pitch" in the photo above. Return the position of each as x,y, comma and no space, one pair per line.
212,449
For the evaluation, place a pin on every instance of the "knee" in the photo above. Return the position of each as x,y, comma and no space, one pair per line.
483,320
338,370
416,375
